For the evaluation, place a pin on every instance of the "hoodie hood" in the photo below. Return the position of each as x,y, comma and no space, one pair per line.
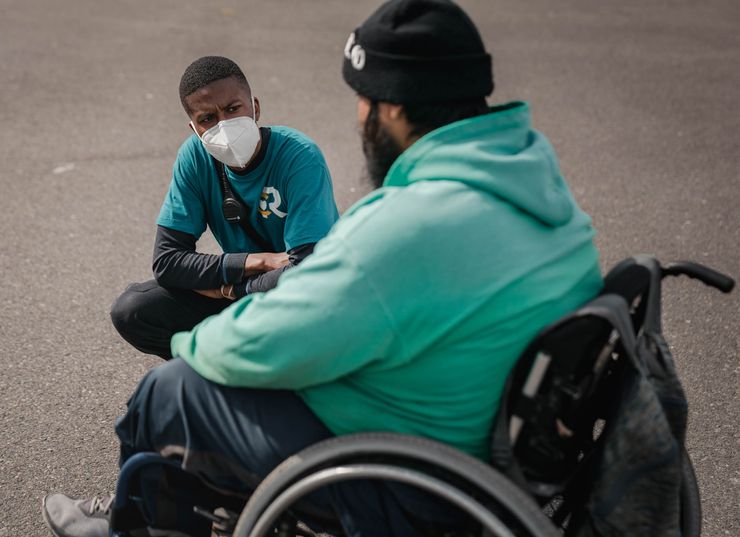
498,153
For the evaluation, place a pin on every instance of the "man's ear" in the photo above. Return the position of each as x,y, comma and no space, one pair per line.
256,108
396,112
393,118
389,112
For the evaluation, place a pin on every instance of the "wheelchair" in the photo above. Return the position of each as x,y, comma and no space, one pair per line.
589,438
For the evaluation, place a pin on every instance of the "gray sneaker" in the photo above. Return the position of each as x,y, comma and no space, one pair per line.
77,518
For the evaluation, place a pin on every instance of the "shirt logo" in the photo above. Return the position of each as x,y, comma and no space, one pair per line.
271,207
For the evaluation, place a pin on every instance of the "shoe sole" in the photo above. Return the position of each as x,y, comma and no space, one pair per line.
46,517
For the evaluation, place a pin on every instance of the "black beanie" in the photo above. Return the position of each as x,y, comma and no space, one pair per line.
418,51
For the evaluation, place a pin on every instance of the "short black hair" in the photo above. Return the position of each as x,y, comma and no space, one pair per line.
205,70
426,117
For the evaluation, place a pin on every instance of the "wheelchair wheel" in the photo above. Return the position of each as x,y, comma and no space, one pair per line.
690,500
497,505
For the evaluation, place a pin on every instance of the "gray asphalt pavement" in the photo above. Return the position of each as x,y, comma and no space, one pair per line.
639,98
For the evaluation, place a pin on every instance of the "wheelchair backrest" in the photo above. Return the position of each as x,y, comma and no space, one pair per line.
564,385
559,395
593,415
638,280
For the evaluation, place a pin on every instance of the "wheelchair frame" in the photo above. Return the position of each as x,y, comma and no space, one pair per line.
519,501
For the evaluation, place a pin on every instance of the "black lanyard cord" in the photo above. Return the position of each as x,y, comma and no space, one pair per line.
235,210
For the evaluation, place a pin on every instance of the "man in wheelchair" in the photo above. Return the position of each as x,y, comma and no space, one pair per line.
408,316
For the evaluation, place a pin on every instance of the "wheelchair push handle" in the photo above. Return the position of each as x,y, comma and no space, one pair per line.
704,274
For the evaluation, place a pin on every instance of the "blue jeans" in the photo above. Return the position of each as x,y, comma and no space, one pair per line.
231,438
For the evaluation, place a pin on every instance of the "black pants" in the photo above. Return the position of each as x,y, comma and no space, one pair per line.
147,315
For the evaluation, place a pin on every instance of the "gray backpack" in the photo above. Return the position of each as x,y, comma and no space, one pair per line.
593,418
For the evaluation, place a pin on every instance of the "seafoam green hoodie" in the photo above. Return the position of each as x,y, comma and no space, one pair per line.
411,312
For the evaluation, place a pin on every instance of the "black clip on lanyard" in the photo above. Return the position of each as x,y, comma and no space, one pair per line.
234,210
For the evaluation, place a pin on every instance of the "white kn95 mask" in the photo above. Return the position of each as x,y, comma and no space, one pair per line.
232,141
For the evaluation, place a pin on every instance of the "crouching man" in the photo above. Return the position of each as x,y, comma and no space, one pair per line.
265,193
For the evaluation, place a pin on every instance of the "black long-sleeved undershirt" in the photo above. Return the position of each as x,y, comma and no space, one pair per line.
176,264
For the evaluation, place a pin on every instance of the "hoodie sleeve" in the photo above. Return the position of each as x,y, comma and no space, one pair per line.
323,321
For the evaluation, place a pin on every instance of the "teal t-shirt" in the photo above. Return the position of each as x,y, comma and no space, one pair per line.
289,195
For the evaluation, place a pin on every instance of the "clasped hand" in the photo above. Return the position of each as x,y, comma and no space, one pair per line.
256,263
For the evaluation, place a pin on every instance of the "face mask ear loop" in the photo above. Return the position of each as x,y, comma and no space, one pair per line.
192,126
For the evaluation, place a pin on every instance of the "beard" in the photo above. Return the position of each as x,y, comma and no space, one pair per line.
380,148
